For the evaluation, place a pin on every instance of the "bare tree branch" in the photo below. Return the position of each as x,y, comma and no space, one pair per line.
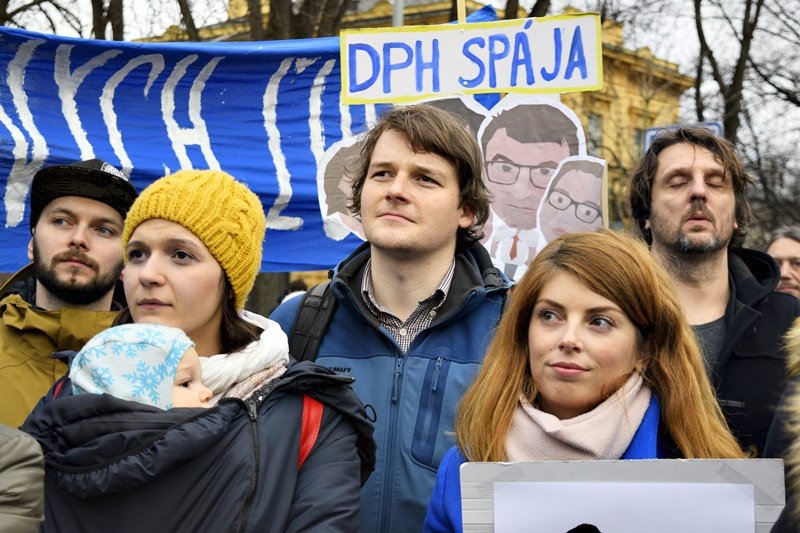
540,8
256,20
188,20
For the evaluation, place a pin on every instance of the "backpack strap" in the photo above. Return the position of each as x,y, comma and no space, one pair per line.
58,387
309,429
313,316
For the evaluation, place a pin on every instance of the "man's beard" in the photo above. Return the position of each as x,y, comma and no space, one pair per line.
684,245
71,291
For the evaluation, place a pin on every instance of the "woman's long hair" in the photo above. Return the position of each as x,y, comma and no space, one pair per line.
235,332
622,270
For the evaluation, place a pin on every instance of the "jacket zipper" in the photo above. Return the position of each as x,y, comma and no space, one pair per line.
385,519
398,371
244,515
252,410
436,373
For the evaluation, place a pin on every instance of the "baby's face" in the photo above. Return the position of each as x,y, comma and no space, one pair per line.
188,389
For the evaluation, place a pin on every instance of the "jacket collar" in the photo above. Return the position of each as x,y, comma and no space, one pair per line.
474,273
753,275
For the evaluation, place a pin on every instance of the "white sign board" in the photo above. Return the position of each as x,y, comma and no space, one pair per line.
624,507
687,495
536,55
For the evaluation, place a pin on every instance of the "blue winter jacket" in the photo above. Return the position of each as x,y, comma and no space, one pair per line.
444,510
413,396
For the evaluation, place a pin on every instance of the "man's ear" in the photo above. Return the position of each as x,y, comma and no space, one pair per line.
467,216
30,248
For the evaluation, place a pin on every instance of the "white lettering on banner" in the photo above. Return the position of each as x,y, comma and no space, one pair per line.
315,125
22,171
68,85
123,79
107,102
198,134
541,55
345,120
274,218
370,118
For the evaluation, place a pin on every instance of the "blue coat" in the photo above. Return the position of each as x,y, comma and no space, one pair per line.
414,395
444,509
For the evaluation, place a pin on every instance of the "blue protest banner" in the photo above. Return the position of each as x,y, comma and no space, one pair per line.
264,112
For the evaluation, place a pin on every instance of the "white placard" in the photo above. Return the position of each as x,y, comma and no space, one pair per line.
535,55
761,478
624,507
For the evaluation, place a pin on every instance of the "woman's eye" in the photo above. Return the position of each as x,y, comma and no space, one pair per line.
546,315
602,322
135,254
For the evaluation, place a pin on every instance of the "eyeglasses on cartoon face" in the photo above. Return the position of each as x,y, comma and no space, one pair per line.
507,172
561,201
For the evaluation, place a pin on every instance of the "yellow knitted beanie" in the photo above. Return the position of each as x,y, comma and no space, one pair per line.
219,210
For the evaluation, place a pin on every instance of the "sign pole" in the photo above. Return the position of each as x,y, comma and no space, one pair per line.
397,13
462,11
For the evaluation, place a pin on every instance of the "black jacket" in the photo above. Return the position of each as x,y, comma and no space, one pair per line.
751,374
113,465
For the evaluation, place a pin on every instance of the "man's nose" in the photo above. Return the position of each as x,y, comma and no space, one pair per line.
398,188
80,237
787,271
698,188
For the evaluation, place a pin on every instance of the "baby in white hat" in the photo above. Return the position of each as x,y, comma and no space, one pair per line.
146,363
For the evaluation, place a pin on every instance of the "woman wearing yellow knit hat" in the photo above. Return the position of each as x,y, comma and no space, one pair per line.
286,445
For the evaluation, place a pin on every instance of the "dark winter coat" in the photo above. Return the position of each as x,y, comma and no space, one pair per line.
751,375
113,465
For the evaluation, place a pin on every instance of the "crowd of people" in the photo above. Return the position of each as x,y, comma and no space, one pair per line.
147,397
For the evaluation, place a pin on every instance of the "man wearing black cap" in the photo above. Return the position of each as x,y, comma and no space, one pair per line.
66,295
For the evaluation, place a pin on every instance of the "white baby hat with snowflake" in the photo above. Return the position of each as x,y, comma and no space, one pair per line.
132,362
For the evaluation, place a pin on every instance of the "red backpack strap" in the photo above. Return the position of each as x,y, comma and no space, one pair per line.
59,385
309,429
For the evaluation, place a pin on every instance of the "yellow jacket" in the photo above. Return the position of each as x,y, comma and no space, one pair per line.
28,337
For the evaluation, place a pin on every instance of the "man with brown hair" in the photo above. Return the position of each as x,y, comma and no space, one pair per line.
415,304
688,198
66,295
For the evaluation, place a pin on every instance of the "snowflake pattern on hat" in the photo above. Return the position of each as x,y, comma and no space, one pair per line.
133,362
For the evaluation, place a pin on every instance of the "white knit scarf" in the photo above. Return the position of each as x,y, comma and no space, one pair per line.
605,432
222,371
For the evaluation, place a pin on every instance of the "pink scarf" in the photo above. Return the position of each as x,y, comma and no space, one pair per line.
605,432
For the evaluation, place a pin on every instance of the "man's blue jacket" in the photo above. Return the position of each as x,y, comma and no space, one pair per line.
413,396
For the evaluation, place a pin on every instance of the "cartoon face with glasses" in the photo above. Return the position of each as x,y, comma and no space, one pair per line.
517,174
574,200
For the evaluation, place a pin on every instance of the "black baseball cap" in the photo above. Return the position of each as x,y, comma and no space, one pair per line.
94,179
